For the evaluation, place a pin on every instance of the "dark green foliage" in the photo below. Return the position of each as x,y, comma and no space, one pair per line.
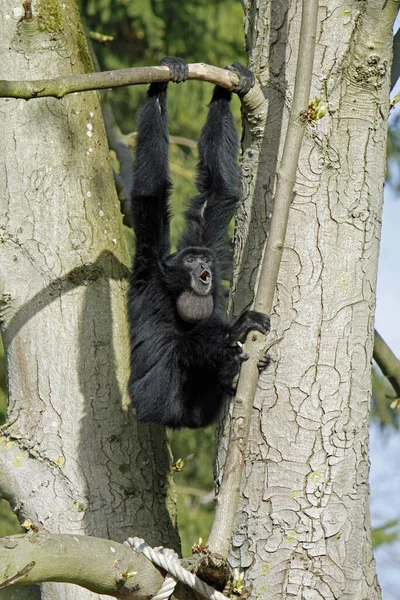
9,524
182,164
8,521
194,484
144,31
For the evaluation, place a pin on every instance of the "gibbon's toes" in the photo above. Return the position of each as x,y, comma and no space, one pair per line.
246,78
263,363
240,356
178,68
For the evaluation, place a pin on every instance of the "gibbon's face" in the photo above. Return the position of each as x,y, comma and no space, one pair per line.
200,268
189,273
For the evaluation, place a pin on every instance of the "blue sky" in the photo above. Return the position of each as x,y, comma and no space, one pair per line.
385,443
387,320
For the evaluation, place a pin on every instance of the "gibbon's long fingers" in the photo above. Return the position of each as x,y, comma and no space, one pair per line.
178,68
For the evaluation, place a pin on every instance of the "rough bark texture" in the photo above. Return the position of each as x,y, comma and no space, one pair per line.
303,529
72,458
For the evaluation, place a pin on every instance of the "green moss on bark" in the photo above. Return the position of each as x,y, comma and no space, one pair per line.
49,15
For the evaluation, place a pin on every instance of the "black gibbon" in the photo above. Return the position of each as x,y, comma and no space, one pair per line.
184,355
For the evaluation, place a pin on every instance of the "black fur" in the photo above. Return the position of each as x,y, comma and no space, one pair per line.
180,370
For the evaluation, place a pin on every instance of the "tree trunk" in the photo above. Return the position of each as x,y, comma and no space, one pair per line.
72,458
303,528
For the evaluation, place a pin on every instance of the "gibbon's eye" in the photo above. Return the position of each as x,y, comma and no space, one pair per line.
190,259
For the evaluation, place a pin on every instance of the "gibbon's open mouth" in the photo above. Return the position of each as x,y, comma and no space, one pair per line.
205,276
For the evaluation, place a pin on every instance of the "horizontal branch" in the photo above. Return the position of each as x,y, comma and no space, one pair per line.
61,86
96,564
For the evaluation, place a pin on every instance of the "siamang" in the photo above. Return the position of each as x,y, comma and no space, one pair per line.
184,355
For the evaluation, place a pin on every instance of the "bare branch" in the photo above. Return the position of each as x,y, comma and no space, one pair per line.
99,565
182,141
396,60
229,494
388,362
61,86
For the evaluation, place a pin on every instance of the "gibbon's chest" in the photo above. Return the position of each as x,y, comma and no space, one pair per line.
194,309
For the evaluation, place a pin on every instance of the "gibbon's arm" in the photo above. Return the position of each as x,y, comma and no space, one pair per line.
209,213
151,181
217,179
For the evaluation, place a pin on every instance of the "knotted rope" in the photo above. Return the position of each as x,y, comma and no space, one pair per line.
168,560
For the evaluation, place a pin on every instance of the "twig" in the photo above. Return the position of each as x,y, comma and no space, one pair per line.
27,5
229,494
61,86
18,576
182,141
388,362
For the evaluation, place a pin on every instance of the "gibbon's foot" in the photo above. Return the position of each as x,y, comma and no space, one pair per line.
263,363
232,356
246,78
178,68
241,356
235,352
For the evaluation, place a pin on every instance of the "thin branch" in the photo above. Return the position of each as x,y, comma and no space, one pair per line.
229,494
119,143
395,74
17,576
182,141
174,139
61,86
388,362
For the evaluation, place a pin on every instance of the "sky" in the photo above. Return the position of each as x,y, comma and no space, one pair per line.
385,442
387,320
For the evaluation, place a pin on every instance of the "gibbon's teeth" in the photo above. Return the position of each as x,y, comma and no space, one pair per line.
205,276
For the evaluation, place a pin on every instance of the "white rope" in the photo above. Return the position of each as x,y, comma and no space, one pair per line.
168,560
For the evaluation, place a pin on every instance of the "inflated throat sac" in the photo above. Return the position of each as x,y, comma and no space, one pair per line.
193,308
